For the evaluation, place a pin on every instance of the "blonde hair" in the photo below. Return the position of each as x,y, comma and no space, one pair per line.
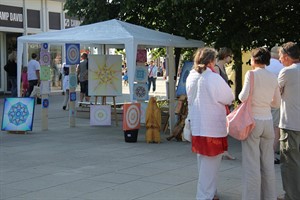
12,56
203,57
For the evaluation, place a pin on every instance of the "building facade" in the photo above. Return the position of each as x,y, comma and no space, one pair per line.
26,17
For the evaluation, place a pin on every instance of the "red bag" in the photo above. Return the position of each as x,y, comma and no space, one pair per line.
240,121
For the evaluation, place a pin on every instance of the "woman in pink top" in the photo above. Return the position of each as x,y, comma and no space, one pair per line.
25,83
257,150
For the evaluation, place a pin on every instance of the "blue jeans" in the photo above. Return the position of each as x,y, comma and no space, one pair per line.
13,89
153,81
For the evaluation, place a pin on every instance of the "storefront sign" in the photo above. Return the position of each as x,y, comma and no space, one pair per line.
11,16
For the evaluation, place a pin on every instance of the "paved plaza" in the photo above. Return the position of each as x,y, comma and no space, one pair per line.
95,163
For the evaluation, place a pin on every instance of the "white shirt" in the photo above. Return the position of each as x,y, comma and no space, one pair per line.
208,94
275,66
33,66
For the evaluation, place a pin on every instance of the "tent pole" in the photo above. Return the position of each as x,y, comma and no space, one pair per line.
171,63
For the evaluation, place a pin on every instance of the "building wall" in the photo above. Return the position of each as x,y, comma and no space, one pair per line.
26,17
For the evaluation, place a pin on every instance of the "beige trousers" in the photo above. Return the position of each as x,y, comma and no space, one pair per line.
258,163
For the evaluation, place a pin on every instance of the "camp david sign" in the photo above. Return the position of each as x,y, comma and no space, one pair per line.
11,16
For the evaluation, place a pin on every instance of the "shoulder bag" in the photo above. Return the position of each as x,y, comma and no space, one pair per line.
240,121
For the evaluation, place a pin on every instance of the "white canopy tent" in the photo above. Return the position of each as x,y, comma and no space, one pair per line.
111,32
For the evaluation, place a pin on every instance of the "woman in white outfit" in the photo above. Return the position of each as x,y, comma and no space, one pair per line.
207,94
65,72
257,150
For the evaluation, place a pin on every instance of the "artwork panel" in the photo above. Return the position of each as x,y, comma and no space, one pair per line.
143,112
140,92
72,54
105,75
44,47
131,116
45,58
141,55
141,74
45,73
18,114
72,80
187,67
100,115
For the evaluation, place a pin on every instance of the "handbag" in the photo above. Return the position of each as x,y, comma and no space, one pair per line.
240,121
187,132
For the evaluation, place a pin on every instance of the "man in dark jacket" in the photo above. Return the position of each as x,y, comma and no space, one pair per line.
11,70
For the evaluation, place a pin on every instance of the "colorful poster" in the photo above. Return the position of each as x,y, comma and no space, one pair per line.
18,114
141,74
100,115
45,73
45,58
131,116
72,80
140,92
105,75
141,55
187,66
72,54
44,47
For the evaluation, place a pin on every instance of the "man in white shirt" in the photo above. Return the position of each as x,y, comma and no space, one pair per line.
152,75
33,73
275,66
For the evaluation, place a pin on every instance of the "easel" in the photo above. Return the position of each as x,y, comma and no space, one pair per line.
114,104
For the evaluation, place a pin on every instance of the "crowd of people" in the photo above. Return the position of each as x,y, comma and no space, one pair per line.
275,87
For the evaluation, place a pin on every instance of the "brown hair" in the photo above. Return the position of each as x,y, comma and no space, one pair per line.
203,57
261,55
224,52
291,49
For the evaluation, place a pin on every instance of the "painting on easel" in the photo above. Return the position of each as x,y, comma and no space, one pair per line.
18,114
105,75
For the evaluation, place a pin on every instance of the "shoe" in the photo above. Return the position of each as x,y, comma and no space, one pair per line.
227,156
64,107
276,161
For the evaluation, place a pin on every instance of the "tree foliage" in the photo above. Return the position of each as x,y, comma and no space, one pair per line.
237,24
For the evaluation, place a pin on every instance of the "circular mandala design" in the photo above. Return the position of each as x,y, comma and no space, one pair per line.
140,92
132,116
45,45
73,54
46,58
72,81
18,114
100,115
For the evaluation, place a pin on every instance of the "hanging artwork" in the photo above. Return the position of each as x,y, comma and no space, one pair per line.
18,114
100,115
72,80
45,73
72,54
44,47
131,116
187,66
141,74
105,75
45,58
141,55
140,91
143,112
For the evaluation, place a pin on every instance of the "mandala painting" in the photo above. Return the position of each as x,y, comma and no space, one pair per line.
45,73
72,80
141,55
144,106
45,58
18,114
105,75
140,92
141,74
187,66
100,115
72,54
131,116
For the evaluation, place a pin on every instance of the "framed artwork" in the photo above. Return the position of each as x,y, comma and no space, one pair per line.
105,75
44,46
144,106
45,58
186,68
141,55
72,80
141,74
72,54
100,115
18,114
140,91
131,116
45,73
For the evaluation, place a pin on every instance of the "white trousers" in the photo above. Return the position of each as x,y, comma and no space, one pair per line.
258,163
208,167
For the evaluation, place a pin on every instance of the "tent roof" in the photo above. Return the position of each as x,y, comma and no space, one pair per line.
111,32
